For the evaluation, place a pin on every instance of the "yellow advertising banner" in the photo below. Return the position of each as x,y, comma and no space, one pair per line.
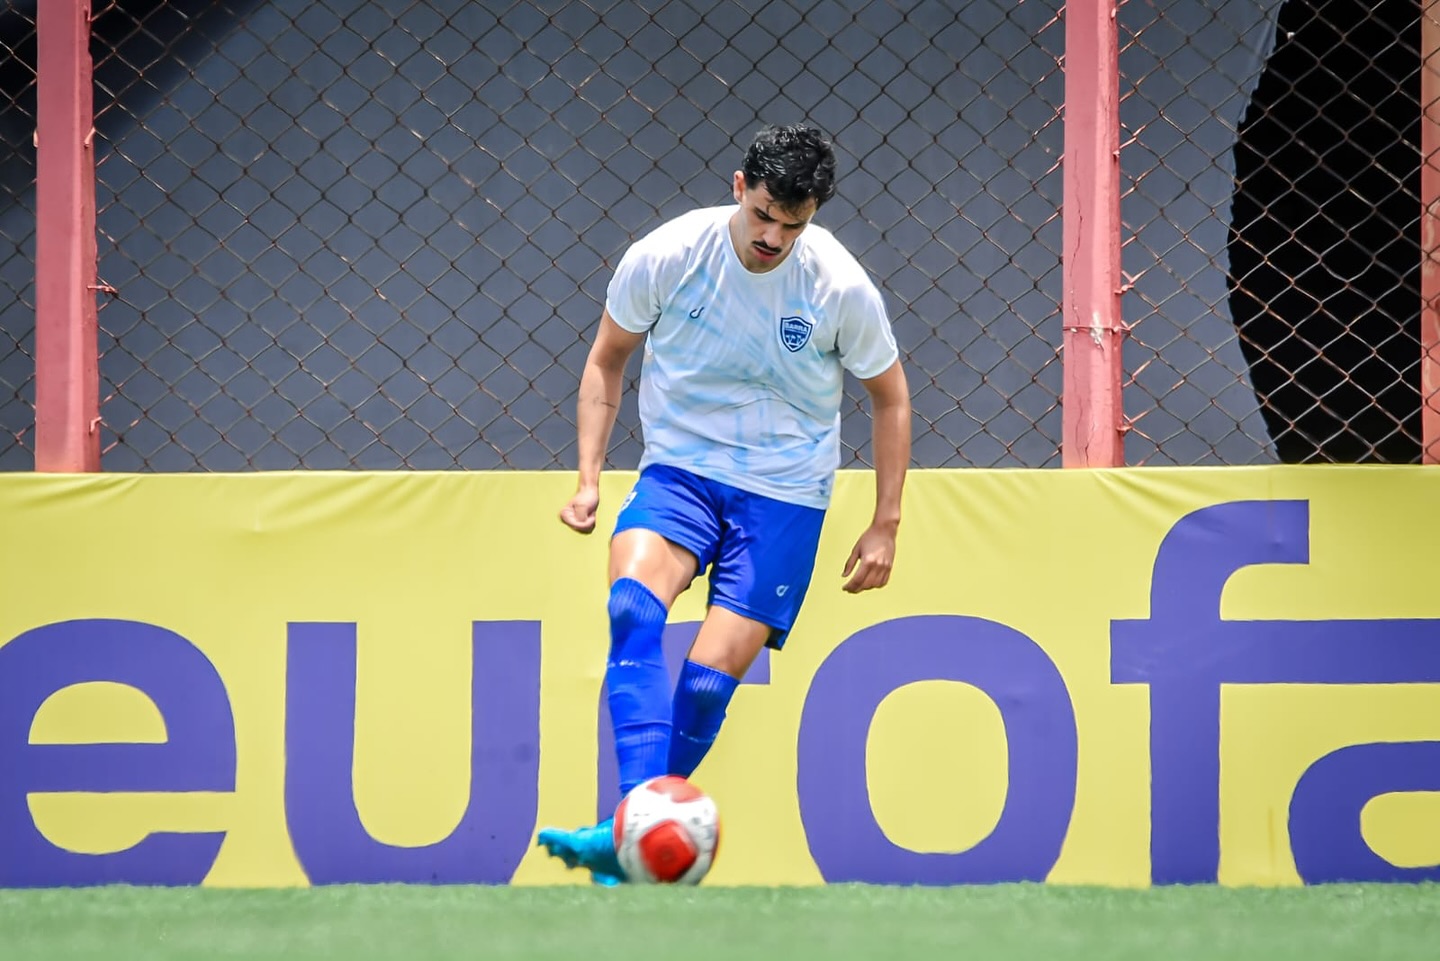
1104,677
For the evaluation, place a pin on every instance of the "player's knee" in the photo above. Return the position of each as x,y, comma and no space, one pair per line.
731,643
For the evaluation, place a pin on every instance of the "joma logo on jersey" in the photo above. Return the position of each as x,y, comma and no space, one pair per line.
795,332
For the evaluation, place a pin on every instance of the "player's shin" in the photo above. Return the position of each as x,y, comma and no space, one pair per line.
702,695
637,684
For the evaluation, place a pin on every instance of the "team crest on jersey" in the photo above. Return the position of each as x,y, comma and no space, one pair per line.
795,332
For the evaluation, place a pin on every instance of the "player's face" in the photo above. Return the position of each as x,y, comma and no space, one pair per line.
763,232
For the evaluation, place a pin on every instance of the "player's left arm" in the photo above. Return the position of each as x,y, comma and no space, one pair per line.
873,557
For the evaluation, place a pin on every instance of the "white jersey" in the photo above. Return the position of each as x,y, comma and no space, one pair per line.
742,378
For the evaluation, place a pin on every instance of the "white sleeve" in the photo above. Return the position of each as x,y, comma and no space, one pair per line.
633,298
866,342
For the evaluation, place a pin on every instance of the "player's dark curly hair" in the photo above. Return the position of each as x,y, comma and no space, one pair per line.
795,163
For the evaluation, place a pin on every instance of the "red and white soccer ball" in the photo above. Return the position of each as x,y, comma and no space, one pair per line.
666,832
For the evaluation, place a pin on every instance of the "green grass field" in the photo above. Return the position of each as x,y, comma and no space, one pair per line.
1372,922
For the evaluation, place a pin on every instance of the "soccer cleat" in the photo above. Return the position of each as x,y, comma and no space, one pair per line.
592,848
606,880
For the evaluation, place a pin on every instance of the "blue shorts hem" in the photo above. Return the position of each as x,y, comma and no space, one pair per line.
640,525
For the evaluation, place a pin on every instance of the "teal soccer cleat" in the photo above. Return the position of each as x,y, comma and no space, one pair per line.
592,848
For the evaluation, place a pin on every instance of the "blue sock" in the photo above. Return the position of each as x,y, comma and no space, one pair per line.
701,696
637,683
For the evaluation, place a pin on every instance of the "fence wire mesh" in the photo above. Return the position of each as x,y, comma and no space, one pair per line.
17,237
1271,225
376,234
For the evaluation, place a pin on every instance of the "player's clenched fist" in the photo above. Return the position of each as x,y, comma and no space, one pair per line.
579,513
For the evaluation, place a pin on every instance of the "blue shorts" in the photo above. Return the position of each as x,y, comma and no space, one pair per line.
760,551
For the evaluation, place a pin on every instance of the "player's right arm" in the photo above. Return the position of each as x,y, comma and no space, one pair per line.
599,401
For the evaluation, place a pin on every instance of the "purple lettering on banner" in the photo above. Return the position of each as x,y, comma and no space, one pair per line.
1325,809
198,755
676,642
495,830
1184,652
1009,667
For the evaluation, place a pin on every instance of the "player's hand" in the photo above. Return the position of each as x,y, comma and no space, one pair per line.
579,513
871,560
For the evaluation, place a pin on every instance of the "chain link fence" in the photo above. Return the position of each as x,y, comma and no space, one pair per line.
17,237
376,233
1271,209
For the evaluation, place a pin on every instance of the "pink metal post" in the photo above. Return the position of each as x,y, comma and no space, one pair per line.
1429,228
1093,435
67,379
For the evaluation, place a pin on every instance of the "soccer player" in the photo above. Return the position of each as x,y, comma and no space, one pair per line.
748,314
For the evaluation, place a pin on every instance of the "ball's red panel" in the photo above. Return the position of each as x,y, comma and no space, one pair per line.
676,788
618,826
667,851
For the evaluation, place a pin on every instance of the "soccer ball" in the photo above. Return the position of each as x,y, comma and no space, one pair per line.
666,832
